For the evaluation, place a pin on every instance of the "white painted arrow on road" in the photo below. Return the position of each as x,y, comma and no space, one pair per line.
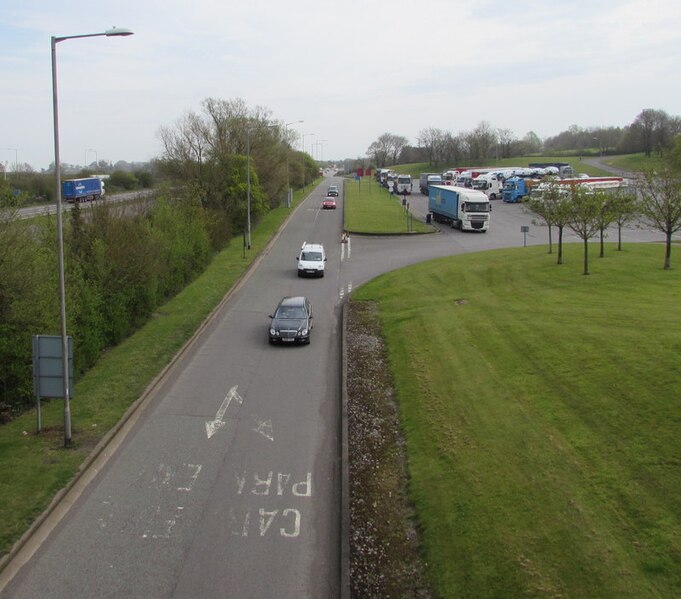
213,426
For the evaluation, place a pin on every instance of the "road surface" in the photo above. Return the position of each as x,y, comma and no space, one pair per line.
228,482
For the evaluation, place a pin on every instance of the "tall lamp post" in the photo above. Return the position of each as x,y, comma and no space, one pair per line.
288,183
320,143
60,233
248,182
96,157
16,158
302,145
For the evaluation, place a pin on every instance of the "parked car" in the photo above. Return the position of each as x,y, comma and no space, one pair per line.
291,321
333,191
329,203
311,260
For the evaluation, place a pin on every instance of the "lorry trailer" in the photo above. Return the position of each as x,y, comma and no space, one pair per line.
464,209
82,190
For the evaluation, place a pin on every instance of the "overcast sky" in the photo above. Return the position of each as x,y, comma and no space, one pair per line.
351,70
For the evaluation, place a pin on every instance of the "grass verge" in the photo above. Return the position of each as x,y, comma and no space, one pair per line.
541,415
34,467
371,209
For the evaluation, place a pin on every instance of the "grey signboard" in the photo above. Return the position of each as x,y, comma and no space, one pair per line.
48,380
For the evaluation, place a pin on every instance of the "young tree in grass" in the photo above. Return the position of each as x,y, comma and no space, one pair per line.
624,208
542,205
606,217
585,211
660,204
552,205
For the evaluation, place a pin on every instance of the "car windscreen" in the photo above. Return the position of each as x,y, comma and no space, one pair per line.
311,256
290,312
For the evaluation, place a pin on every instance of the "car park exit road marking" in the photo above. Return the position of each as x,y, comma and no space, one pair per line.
213,426
265,429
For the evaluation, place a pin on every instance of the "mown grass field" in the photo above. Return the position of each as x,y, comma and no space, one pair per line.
371,209
34,467
541,413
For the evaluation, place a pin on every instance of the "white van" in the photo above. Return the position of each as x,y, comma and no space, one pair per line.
311,260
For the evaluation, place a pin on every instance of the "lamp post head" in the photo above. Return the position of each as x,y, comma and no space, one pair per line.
114,31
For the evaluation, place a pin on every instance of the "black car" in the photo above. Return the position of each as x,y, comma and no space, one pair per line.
332,191
291,321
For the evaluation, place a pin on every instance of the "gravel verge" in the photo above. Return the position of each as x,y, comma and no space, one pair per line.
385,559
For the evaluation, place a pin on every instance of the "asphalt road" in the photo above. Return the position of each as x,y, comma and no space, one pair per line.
228,483
46,209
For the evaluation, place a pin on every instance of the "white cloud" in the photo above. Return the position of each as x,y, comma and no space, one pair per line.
352,70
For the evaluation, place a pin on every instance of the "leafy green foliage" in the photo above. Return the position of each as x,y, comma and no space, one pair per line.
119,269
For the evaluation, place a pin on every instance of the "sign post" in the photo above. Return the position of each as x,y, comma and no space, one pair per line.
48,380
524,229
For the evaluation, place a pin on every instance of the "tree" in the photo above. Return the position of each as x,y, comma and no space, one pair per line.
623,206
585,213
651,128
379,150
553,206
606,216
660,204
430,139
386,149
533,142
505,139
481,141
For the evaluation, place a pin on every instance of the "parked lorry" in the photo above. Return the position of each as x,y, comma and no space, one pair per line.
464,209
564,168
588,183
381,175
82,190
490,184
516,188
426,179
403,185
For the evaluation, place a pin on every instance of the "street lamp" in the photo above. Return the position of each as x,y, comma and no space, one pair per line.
248,183
16,158
96,157
319,143
303,157
600,146
60,233
288,183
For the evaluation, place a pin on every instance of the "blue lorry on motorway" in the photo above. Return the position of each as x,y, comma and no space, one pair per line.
463,208
82,190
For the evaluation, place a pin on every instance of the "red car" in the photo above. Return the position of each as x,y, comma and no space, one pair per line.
329,203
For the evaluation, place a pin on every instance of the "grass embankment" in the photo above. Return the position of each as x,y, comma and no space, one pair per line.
371,209
633,162
541,412
33,468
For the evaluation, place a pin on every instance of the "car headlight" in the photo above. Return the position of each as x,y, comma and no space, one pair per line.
273,332
303,332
